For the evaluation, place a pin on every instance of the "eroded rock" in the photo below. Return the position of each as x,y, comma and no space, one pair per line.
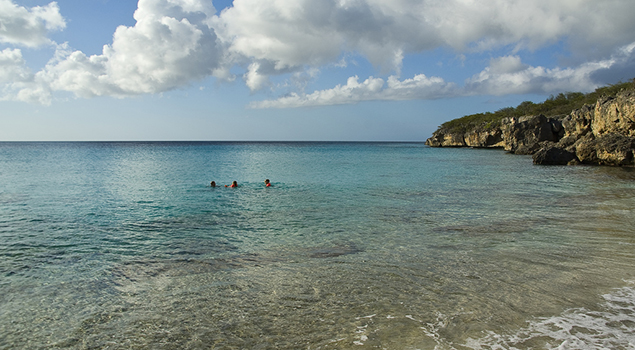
523,135
602,134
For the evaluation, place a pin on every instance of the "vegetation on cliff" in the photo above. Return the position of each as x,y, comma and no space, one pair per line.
561,104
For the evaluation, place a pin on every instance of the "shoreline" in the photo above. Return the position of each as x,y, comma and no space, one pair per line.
600,134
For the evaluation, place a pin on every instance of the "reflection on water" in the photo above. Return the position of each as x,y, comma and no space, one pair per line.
392,246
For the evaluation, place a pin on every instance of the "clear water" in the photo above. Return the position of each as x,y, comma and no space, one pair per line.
356,246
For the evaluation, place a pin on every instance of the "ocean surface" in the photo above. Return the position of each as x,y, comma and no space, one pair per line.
355,246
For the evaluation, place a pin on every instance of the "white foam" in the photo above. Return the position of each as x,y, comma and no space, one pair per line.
369,316
610,327
431,330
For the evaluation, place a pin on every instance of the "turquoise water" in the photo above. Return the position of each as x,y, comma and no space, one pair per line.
356,246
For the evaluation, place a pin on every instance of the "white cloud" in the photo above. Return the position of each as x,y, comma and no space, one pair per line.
29,27
505,75
12,66
419,87
292,34
170,45
177,42
17,82
253,78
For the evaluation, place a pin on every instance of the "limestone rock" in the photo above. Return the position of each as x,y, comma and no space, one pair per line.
615,115
482,138
523,135
609,149
442,139
578,123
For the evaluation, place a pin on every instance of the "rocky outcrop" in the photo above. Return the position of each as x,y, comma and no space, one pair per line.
615,115
525,135
482,138
446,140
478,137
609,149
601,134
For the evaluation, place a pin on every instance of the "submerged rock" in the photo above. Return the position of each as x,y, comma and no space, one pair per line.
552,155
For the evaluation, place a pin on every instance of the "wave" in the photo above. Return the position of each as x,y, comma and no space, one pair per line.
612,326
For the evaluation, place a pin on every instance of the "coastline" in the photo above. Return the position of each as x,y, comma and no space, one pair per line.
599,134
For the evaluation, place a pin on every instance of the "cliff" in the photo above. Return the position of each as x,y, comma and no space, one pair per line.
600,134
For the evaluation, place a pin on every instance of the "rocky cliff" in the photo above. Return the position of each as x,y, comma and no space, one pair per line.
601,134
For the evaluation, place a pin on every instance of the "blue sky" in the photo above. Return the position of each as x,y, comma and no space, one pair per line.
350,70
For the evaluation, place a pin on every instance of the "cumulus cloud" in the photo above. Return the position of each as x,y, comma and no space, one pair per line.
620,67
292,34
29,27
253,78
508,75
17,82
371,89
170,45
176,42
504,75
13,66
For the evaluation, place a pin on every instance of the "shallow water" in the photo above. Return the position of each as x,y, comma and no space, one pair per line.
356,245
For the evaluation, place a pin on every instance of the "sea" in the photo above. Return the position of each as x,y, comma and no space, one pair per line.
125,245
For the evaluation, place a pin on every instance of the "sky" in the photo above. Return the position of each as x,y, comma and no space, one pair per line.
294,70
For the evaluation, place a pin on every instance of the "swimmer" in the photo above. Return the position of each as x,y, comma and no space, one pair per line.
267,183
213,184
234,184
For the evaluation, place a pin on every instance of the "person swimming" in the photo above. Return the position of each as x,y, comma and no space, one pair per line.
213,184
267,183
234,184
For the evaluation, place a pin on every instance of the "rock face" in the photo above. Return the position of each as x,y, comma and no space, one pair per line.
601,134
478,137
484,138
608,149
524,135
